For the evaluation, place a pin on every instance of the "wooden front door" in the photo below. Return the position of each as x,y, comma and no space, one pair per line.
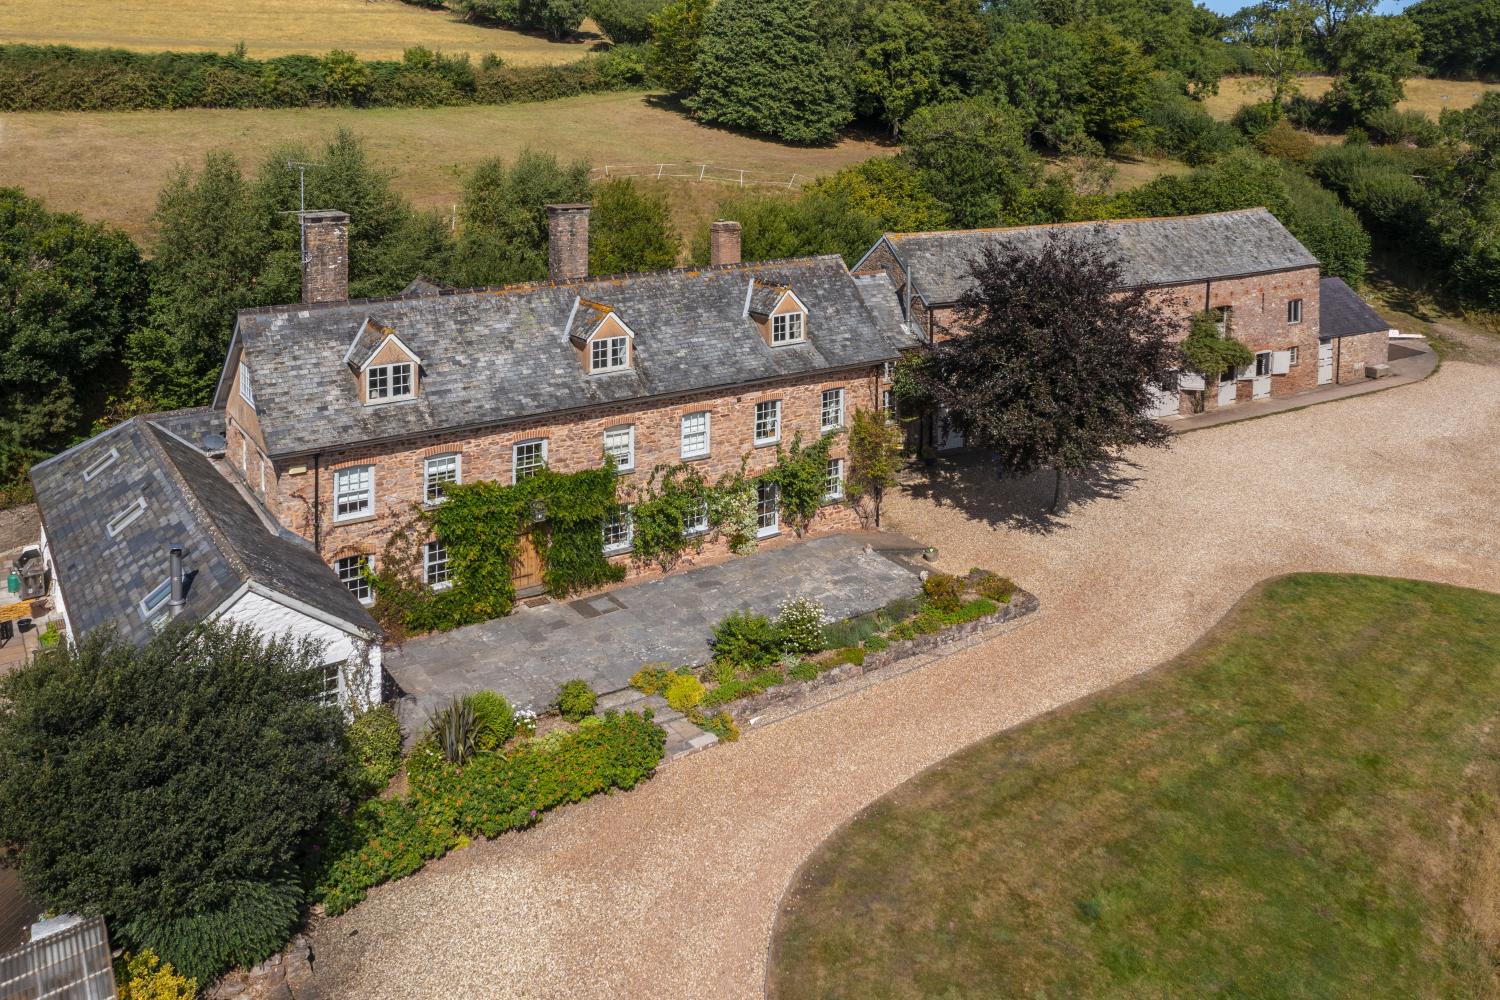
526,571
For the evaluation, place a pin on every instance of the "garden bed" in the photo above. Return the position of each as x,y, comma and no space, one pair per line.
759,662
793,693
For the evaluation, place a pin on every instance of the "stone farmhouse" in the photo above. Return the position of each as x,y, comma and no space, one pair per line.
335,418
340,415
1263,284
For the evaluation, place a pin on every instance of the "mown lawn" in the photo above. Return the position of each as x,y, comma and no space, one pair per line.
1302,806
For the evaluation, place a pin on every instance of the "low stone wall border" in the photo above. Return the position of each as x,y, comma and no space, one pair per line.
787,700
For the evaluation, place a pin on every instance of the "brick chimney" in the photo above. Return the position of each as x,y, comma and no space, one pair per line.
325,257
567,242
724,242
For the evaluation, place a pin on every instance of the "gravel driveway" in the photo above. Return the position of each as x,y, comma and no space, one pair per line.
671,890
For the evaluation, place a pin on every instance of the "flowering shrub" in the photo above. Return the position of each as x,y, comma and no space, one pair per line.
800,622
684,692
489,794
147,977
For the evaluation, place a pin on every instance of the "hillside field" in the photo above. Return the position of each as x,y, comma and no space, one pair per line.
375,29
110,165
1429,96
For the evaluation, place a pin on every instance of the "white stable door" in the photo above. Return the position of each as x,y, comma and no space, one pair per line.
1325,362
1228,390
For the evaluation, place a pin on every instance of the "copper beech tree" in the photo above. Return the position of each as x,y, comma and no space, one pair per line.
1057,367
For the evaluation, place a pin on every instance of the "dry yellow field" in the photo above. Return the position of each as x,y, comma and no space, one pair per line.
110,165
1425,95
375,29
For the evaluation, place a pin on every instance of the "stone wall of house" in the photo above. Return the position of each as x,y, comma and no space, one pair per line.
1259,321
574,442
1351,354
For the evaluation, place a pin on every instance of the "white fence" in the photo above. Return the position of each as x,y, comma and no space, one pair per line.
72,963
733,176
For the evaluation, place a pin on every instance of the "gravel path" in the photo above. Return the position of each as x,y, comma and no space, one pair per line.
671,890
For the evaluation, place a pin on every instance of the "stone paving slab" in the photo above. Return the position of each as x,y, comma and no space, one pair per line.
605,639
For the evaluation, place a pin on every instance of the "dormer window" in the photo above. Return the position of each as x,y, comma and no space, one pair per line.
392,381
777,312
787,328
608,354
387,369
603,342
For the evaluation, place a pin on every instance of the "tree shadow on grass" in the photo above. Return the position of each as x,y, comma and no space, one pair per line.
972,484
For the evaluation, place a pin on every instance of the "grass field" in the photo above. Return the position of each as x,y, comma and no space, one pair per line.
1301,806
1425,95
110,165
375,29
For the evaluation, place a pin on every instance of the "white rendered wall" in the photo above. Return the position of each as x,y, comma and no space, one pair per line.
271,618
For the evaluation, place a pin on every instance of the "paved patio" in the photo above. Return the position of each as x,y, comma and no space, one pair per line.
606,638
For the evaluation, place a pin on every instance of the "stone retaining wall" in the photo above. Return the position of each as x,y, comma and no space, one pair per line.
1022,603
284,976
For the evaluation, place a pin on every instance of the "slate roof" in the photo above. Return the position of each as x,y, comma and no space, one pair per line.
1152,251
188,503
496,354
884,303
1342,313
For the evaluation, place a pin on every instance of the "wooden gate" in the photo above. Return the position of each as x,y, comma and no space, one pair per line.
526,571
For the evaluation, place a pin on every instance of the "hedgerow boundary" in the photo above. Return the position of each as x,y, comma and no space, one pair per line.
64,78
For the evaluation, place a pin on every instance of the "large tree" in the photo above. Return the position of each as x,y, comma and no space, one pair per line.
631,229
676,34
777,67
1275,34
504,216
172,788
1373,56
973,157
898,66
1058,365
224,243
69,292
211,245
1460,38
387,238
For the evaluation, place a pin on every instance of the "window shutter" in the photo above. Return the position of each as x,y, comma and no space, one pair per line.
1246,372
1281,362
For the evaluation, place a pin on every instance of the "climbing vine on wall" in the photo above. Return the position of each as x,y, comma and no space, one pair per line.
1210,352
673,497
801,473
481,525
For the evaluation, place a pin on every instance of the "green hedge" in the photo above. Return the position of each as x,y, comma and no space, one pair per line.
63,78
386,840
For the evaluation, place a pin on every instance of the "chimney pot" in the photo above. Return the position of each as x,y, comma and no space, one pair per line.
325,257
568,242
724,242
174,563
